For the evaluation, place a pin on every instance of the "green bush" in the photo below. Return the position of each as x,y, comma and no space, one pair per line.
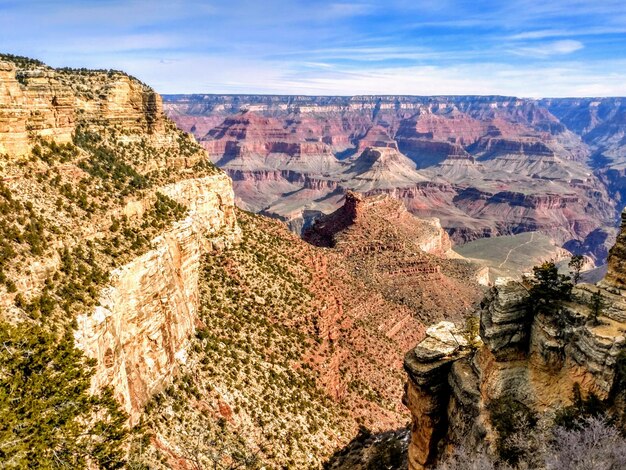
48,418
549,289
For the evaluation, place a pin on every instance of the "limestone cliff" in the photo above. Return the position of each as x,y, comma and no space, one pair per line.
39,100
534,359
139,331
107,211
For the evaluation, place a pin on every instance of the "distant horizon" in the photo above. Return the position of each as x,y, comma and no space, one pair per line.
519,48
385,95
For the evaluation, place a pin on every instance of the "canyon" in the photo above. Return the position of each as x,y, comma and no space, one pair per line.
484,165
201,320
541,362
222,337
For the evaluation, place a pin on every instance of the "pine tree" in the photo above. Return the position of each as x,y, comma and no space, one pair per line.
576,264
597,305
549,288
48,418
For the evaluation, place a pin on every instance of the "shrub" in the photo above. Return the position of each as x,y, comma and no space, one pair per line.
597,305
48,419
510,418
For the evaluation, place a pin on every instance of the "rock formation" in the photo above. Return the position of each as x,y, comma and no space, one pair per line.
616,275
535,360
484,166
407,258
100,167
46,102
139,333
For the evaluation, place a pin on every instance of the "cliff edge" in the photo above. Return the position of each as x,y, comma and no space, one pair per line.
538,360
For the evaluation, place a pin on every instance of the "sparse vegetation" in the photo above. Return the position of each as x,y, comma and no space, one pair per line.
471,332
48,418
252,367
572,417
576,264
548,289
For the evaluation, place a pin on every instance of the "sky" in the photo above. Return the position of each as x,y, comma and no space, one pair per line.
525,48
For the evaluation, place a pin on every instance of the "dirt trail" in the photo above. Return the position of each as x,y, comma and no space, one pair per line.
532,236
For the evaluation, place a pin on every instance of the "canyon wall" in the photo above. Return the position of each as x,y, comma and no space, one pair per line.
88,152
534,360
483,165
140,330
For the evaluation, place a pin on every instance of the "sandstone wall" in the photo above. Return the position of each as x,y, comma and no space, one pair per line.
53,102
536,360
139,332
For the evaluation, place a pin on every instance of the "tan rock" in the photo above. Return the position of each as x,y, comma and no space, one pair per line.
139,332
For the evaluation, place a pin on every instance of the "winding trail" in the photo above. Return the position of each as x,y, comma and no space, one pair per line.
532,236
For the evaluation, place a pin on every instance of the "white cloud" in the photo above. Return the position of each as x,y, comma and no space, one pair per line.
219,75
553,33
545,50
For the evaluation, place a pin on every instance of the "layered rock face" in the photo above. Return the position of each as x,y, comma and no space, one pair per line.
485,166
139,332
535,360
47,102
103,171
616,275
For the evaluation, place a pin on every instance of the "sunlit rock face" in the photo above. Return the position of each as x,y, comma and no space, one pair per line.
139,332
536,360
49,103
616,274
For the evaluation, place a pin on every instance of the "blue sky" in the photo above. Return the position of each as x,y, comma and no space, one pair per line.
422,47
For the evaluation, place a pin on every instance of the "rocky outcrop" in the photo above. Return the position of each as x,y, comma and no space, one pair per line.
427,393
616,275
535,360
140,330
50,103
369,213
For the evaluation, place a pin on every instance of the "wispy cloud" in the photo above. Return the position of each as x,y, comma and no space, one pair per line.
518,47
554,33
549,49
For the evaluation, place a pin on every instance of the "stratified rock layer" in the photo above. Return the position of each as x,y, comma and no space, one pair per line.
483,165
616,275
49,103
536,360
139,332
